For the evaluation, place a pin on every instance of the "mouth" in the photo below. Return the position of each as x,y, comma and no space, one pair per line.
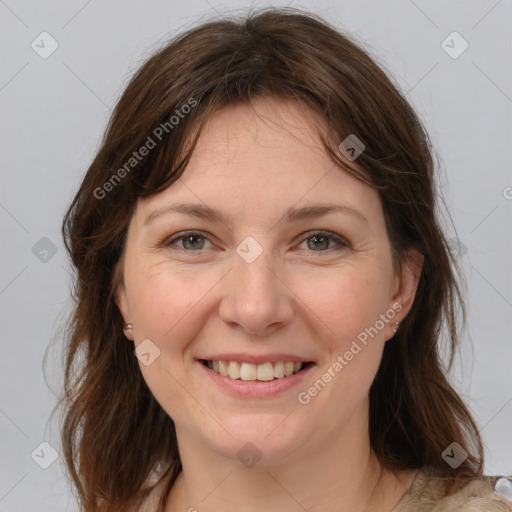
265,380
249,372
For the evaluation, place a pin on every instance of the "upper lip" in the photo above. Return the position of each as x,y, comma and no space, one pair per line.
255,359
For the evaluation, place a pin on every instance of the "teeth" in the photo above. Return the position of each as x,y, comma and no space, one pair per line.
279,369
265,371
233,370
248,371
223,368
262,372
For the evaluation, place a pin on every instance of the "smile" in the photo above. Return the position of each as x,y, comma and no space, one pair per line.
255,372
255,381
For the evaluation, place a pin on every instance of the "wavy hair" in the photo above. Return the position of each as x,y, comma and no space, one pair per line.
116,437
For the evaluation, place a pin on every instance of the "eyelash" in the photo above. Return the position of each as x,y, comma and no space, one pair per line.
168,242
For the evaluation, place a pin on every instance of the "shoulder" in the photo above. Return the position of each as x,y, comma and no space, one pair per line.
481,494
426,494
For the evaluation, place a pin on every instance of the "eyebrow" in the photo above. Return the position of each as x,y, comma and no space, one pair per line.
291,215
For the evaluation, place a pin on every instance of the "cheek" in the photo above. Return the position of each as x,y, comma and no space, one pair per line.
346,301
166,304
346,306
164,300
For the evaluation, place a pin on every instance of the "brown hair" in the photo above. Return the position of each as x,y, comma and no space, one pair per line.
114,432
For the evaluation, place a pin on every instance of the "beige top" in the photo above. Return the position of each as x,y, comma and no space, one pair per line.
482,494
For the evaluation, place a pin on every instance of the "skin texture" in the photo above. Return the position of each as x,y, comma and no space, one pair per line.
300,297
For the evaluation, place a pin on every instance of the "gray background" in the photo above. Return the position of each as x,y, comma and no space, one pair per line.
54,111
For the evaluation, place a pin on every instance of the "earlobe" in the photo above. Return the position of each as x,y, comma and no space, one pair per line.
128,331
122,304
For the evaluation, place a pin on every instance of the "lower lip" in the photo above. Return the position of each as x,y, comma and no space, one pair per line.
256,389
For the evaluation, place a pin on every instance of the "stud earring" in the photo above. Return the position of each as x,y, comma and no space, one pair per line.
128,327
396,327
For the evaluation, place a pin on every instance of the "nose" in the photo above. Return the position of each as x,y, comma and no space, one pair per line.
257,300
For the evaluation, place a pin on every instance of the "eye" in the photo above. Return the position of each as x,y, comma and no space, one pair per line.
191,241
194,241
320,241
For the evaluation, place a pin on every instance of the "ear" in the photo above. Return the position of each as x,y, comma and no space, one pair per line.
405,286
122,304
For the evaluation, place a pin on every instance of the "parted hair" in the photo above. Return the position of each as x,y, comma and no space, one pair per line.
116,437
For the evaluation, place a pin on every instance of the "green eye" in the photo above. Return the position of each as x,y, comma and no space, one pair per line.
321,241
194,241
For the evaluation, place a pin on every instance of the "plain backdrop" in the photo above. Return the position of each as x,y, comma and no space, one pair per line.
54,111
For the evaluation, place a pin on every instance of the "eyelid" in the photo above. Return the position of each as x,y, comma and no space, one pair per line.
342,242
168,240
323,232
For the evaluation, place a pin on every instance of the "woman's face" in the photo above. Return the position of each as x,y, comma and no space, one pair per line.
269,276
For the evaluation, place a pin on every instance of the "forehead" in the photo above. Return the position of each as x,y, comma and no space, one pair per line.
264,157
267,122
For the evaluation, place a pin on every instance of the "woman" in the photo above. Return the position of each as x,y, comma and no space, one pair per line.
261,287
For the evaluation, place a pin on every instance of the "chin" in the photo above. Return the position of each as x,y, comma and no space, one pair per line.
261,436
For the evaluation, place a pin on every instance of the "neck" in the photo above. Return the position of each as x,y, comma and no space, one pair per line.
343,476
